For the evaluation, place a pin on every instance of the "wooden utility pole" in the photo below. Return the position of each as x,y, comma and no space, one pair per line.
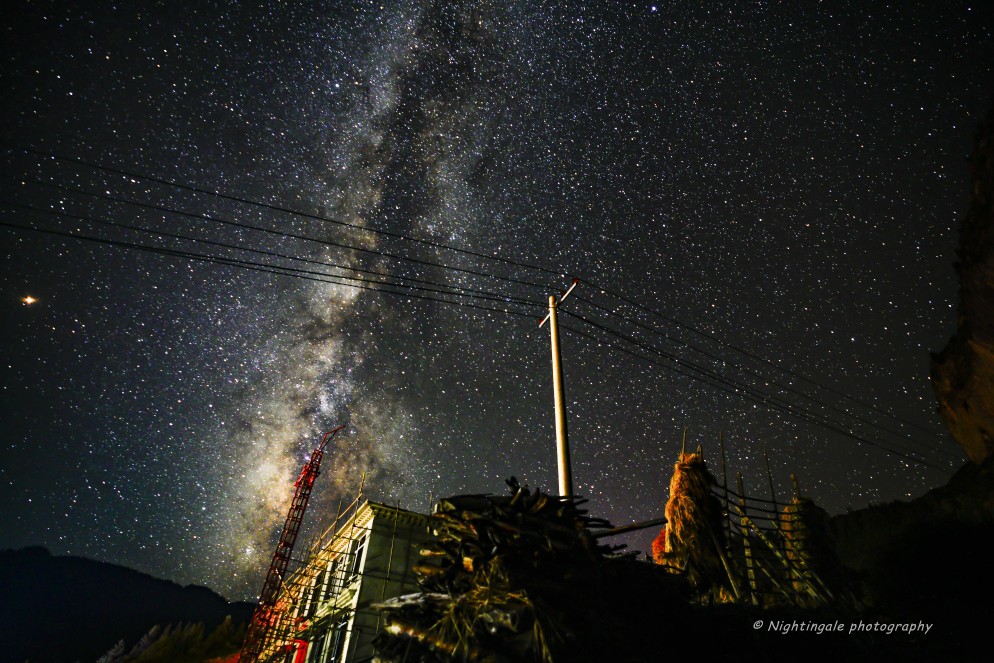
562,435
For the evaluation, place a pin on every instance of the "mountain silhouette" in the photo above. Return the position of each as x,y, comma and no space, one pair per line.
56,609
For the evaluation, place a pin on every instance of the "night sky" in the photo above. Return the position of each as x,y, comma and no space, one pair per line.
787,178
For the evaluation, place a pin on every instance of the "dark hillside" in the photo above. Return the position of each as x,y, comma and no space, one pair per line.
75,609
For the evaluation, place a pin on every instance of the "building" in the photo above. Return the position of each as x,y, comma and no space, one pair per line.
324,612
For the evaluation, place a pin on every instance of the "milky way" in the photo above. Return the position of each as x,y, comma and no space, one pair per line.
785,179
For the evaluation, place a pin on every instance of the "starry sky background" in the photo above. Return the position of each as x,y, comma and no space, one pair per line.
787,177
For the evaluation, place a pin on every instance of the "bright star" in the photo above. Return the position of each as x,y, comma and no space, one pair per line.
29,300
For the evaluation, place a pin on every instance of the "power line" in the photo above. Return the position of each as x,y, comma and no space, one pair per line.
258,267
748,396
767,399
275,208
281,269
764,399
453,290
483,295
759,358
284,234
433,244
758,376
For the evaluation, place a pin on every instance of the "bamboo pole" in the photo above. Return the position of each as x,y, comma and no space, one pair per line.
728,568
726,522
785,568
747,551
769,478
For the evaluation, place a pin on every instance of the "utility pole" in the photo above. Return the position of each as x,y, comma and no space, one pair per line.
562,435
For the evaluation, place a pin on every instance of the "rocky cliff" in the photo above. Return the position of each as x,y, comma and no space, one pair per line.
963,372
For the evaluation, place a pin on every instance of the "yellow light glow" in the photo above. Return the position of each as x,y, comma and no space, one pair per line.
29,300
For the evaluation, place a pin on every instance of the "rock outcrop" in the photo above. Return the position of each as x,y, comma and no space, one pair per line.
963,372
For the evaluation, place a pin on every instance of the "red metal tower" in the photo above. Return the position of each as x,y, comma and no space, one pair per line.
264,619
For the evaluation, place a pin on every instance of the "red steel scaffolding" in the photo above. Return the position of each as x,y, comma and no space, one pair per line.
266,615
